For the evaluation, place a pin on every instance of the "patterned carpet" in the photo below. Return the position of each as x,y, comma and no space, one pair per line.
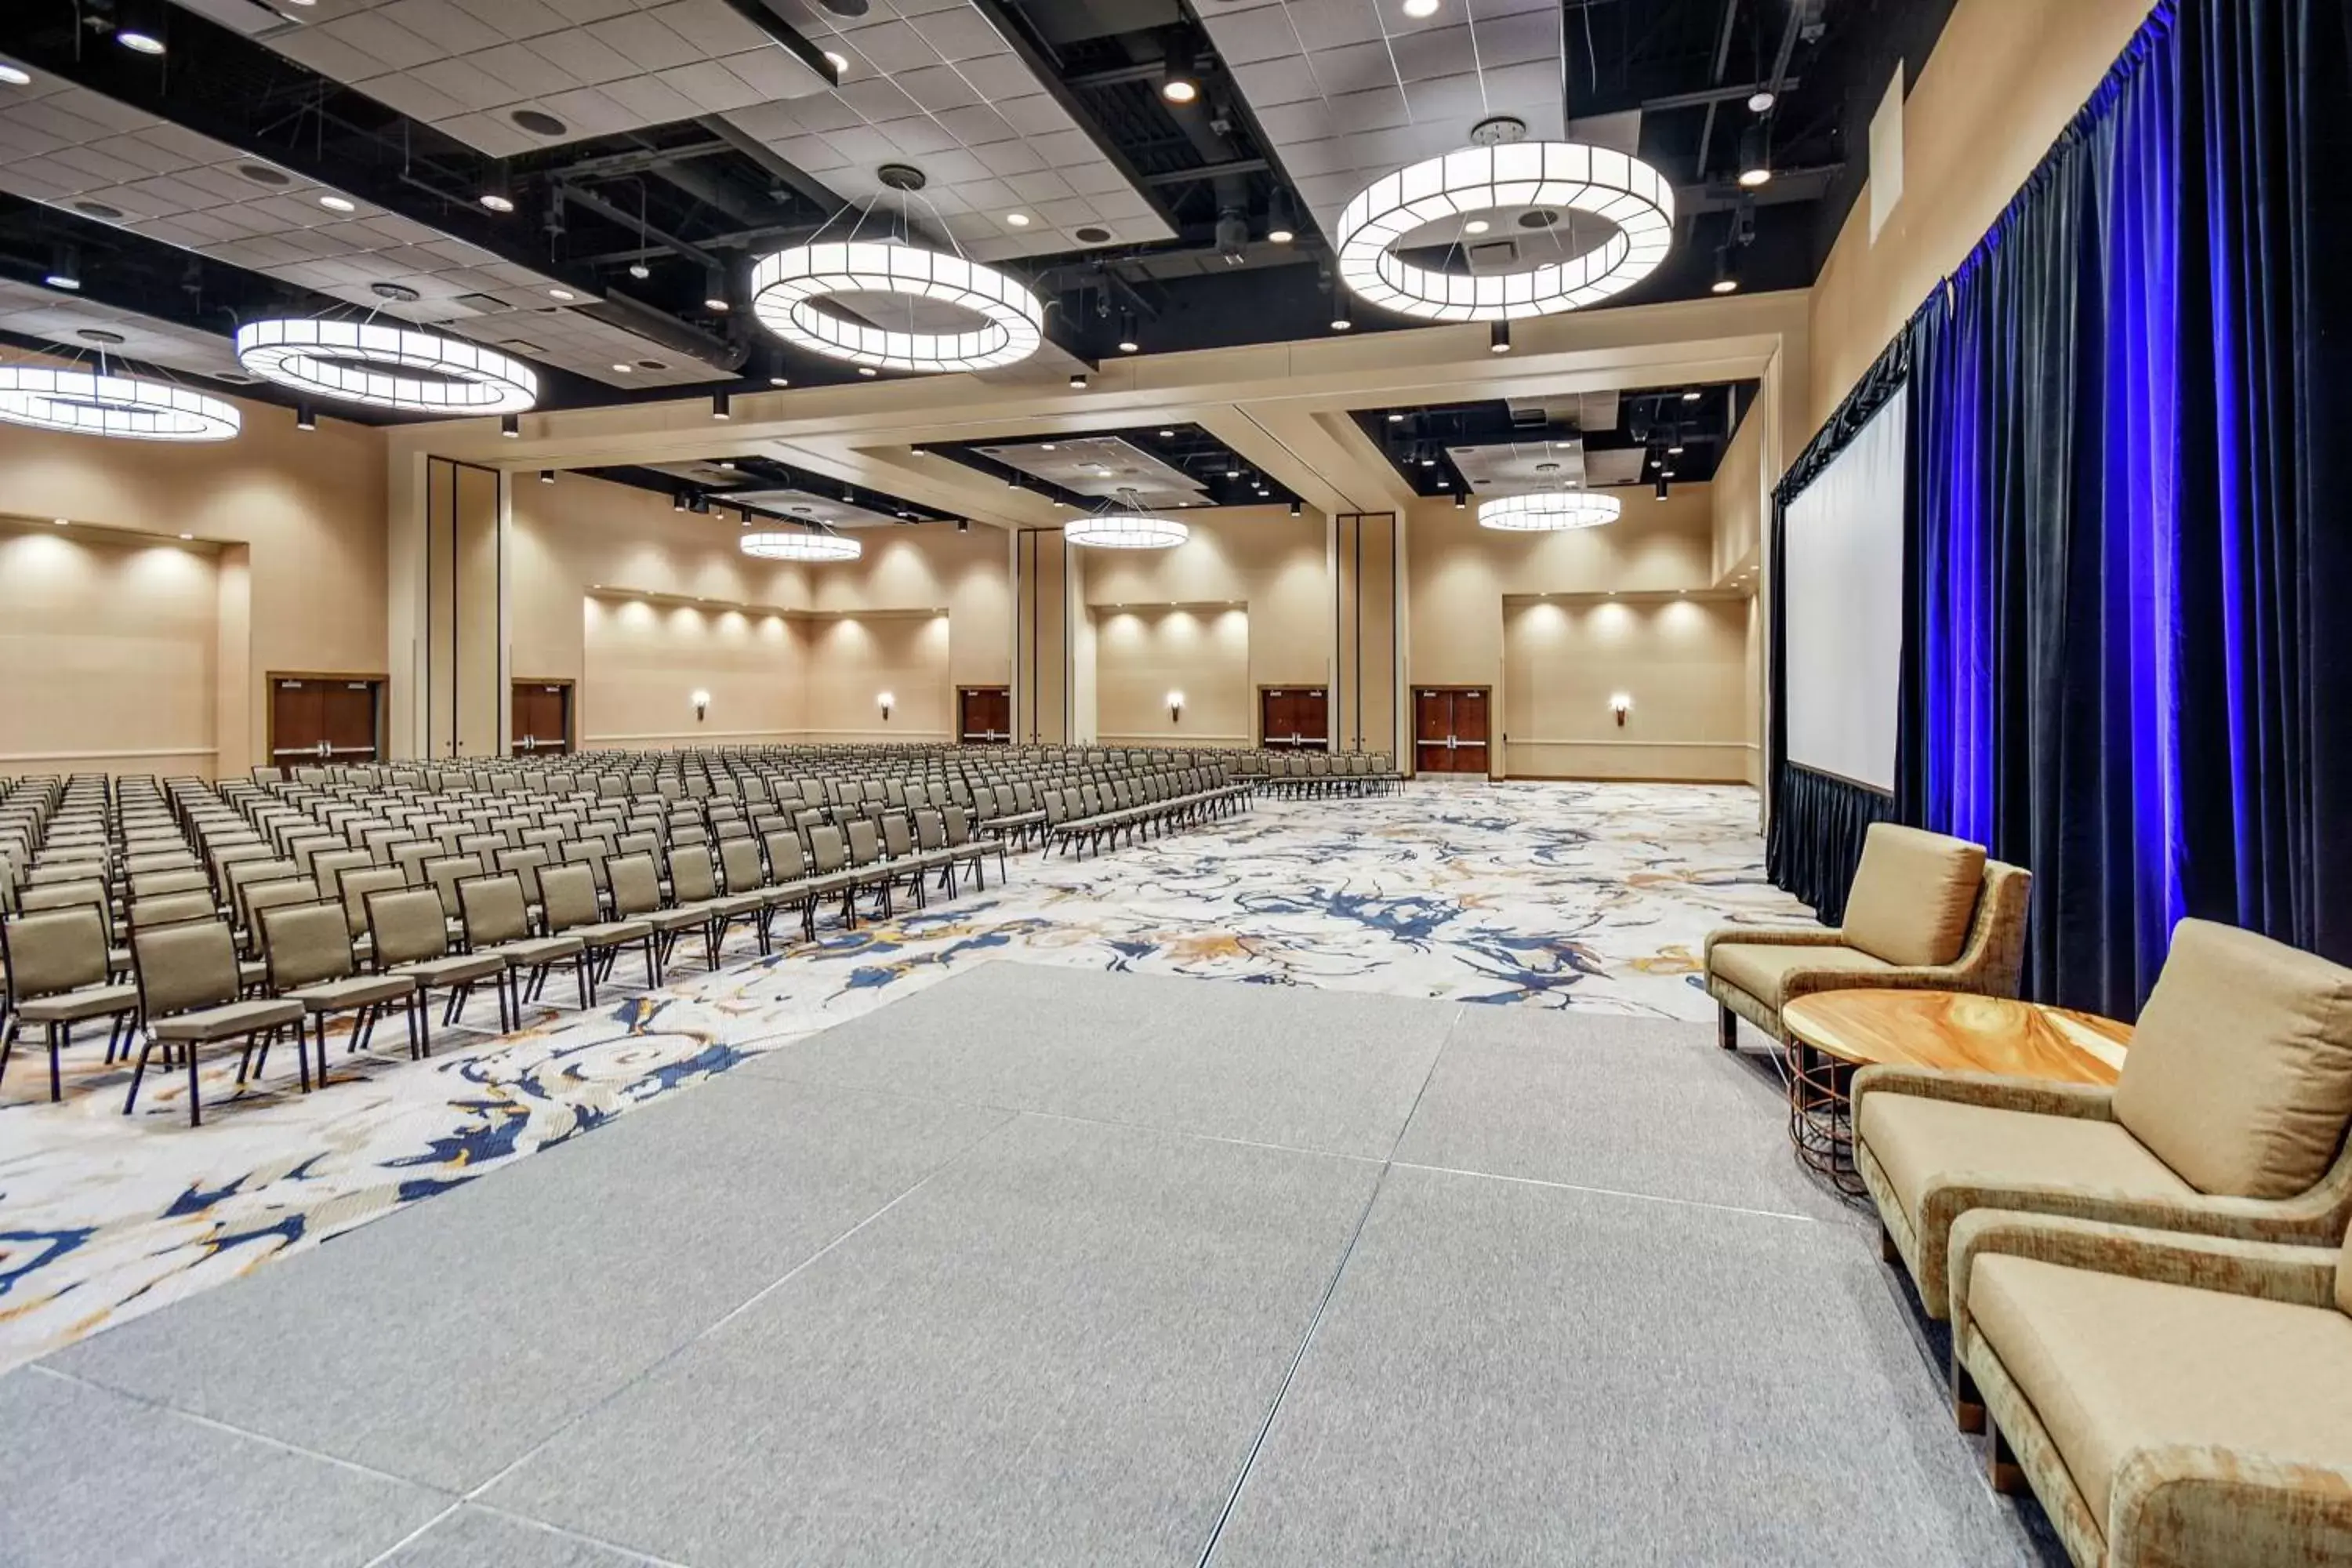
1593,896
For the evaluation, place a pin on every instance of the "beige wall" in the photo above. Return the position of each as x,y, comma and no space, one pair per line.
853,659
644,660
309,508
931,566
109,653
1682,662
1738,498
1144,653
1275,566
2003,80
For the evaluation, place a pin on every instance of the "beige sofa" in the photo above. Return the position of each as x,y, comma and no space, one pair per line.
2175,1401
2229,1117
1926,912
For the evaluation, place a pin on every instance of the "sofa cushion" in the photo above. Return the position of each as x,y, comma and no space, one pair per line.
1914,895
2240,1075
2112,1364
1922,1144
1759,968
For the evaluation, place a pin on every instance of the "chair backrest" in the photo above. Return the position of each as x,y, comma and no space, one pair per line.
406,925
60,949
358,884
255,897
184,966
897,837
155,884
444,874
525,863
493,910
83,893
958,825
168,909
636,884
306,945
568,897
1913,896
865,844
740,859
691,875
787,862
827,849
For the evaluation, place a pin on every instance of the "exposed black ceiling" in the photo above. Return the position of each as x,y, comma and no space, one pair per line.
694,199
1224,476
1680,430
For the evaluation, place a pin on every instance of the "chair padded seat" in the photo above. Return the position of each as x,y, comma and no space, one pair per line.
457,969
72,1007
789,892
235,1018
686,917
359,991
2112,1364
736,904
1762,968
534,950
612,933
1923,1145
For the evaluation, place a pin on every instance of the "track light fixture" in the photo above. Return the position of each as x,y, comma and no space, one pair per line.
1077,381
1281,223
1127,341
963,525
714,290
546,476
722,405
65,269
1298,509
306,417
1662,486
1498,337
511,427
1756,155
1180,89
1727,271
1461,502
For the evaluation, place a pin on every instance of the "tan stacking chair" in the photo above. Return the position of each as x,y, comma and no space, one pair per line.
1926,912
569,898
498,921
408,934
58,969
2229,1117
188,995
309,956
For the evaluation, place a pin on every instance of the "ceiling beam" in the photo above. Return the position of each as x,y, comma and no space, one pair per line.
1208,172
606,210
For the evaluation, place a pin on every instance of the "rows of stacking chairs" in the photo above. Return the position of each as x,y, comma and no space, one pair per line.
1318,774
1085,817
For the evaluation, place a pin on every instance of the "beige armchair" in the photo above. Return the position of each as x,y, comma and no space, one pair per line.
1927,913
2229,1117
2169,1398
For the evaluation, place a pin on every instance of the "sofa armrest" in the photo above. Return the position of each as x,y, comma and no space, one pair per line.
2269,1270
2195,1502
2031,1096
1771,936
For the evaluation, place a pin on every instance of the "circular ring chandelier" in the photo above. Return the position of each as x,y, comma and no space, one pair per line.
1549,511
99,405
364,362
1125,525
802,545
786,288
1538,174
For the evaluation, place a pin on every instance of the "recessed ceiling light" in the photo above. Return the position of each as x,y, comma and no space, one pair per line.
14,77
840,61
868,370
622,366
1691,396
1396,418
58,521
1168,435
139,43
566,295
187,536
338,204
497,202
1018,220
1476,225
1419,8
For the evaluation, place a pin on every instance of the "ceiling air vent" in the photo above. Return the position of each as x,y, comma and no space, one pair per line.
1497,256
482,304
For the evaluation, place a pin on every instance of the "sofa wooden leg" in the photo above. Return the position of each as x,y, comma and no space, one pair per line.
1727,1028
1968,1405
2001,1468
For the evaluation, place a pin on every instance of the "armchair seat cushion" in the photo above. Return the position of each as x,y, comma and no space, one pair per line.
2113,1364
1923,1145
1761,969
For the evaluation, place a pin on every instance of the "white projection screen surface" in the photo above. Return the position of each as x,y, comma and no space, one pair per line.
1843,573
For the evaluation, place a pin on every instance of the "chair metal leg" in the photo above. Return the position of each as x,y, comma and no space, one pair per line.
302,1037
8,1041
196,1095
60,1035
137,1074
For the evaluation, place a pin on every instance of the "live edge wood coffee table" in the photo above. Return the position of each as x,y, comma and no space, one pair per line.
1832,1033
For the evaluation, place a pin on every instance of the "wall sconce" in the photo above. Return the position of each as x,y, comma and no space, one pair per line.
1175,706
1620,705
886,699
701,705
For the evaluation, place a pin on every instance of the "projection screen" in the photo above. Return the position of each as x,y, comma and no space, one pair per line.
1842,568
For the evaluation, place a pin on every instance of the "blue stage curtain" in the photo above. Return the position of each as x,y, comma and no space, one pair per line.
2126,510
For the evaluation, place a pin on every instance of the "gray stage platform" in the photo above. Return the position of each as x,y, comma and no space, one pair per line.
1043,1266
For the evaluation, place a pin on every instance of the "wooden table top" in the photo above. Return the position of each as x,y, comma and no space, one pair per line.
1954,1031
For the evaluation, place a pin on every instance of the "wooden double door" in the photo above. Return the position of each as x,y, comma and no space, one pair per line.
985,715
1294,717
1449,729
319,720
540,718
